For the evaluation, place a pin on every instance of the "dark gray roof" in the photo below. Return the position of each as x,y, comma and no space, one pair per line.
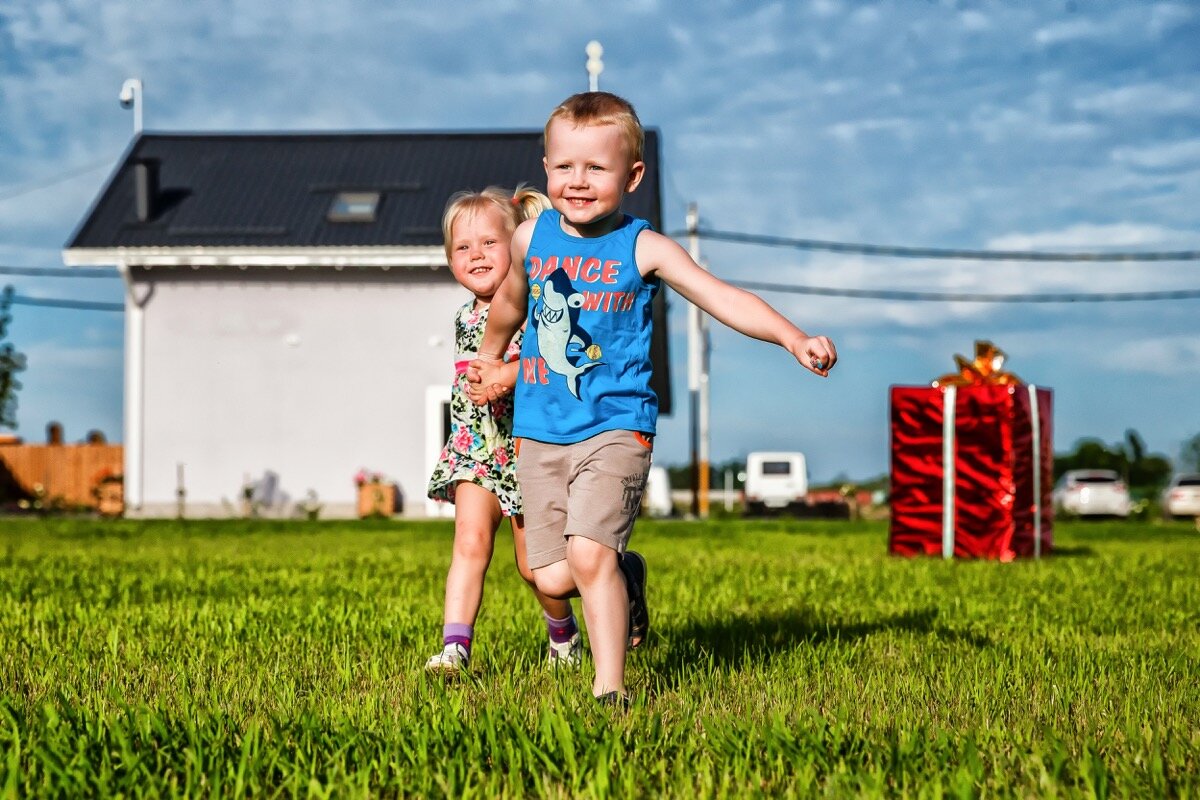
274,189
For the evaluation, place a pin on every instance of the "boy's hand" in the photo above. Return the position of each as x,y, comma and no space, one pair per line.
483,378
496,391
815,353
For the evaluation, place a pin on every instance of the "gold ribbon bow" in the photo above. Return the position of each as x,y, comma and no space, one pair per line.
986,369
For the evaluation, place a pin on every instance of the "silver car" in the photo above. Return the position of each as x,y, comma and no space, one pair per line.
1182,497
1092,493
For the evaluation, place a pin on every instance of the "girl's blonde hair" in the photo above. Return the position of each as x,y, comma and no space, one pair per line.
515,207
602,108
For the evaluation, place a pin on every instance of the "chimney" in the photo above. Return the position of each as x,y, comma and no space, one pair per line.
145,185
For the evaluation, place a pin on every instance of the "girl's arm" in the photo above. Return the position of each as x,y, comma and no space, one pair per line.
743,311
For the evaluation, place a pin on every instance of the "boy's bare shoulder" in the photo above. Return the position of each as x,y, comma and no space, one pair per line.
653,250
526,227
523,234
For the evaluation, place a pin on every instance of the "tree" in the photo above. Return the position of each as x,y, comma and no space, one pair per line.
1144,472
1189,454
11,362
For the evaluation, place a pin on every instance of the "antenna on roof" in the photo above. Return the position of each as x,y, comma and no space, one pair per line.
131,97
594,65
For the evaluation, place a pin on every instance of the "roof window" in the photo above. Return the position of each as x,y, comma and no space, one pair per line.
353,207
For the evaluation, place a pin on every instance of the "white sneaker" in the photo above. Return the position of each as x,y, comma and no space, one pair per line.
452,660
565,654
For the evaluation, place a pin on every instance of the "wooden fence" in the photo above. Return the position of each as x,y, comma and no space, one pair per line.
67,473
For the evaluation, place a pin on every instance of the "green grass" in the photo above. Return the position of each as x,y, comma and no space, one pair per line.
786,659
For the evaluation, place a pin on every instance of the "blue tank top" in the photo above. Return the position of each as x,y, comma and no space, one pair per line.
585,360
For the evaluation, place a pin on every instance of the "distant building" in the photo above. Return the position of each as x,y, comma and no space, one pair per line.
289,316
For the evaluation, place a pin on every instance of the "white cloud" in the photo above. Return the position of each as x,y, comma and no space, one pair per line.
971,20
1142,98
1165,16
1070,31
52,356
825,8
851,131
999,124
1084,236
1166,356
1167,155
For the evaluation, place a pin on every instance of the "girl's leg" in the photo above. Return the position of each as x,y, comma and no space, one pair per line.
476,518
565,647
553,606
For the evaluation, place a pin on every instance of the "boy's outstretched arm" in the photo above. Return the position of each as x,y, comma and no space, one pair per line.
506,315
741,310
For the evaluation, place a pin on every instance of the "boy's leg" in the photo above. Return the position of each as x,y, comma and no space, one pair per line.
609,477
605,607
582,500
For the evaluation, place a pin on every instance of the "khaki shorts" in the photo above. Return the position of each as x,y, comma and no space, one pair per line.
591,488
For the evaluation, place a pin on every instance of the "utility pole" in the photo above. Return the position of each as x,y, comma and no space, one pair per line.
698,381
594,65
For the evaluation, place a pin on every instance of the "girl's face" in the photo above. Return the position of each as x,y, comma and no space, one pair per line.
479,254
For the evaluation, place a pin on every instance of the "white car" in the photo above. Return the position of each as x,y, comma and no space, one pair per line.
1092,493
1182,497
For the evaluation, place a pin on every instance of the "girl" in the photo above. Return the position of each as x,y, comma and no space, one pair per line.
477,468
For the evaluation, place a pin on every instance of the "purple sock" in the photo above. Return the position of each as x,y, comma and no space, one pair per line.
561,630
458,633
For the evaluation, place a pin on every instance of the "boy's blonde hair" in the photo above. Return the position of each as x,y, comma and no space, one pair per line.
515,207
603,108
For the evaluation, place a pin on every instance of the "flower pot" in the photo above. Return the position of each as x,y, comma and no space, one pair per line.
376,499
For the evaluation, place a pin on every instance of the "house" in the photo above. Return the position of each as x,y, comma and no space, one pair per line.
289,314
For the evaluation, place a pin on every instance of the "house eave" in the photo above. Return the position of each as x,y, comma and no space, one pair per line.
196,257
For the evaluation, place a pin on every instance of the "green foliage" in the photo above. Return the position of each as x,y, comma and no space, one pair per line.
1145,473
1189,455
787,659
680,475
11,362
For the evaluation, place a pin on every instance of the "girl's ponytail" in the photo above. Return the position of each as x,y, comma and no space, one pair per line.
529,202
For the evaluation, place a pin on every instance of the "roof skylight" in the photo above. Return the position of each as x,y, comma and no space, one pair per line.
353,207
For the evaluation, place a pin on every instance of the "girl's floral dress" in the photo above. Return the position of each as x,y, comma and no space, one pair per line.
480,448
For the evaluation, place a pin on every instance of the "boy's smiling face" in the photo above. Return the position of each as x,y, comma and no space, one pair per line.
588,171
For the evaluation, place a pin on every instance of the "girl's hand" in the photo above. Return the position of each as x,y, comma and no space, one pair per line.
482,375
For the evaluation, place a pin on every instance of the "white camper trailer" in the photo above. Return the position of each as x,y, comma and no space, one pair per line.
775,482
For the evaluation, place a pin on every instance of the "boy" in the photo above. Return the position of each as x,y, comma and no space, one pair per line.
585,413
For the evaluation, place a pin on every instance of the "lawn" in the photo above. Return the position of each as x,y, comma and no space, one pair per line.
787,658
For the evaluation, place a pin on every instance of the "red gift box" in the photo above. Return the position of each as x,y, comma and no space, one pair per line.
972,466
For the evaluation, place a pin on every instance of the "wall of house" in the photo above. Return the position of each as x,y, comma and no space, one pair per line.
307,375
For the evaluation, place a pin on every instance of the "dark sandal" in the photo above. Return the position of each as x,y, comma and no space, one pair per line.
633,567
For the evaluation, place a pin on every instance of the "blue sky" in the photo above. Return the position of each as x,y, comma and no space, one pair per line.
1047,125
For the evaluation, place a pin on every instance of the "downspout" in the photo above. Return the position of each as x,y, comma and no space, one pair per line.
135,371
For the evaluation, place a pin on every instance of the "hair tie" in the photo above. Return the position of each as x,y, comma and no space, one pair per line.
516,201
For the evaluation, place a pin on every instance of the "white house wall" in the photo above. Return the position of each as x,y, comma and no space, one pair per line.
306,374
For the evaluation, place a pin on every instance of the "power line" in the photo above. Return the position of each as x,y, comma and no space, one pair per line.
938,252
16,191
80,305
61,272
959,297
